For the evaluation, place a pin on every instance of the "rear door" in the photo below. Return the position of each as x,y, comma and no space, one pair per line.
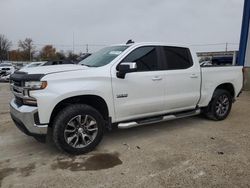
182,79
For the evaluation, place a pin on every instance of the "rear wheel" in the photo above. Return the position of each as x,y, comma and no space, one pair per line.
78,129
220,105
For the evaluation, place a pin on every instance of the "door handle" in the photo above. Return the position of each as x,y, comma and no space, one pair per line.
157,78
194,76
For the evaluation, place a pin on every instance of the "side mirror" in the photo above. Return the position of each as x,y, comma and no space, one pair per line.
126,67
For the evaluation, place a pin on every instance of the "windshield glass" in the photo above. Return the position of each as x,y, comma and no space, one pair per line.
103,57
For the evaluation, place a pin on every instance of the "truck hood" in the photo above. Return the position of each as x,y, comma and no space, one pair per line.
53,69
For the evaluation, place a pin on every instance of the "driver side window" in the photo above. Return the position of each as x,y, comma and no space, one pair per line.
145,57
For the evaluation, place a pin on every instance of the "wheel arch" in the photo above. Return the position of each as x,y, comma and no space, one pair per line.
94,101
228,87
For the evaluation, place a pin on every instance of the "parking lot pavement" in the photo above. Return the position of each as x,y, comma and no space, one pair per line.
191,152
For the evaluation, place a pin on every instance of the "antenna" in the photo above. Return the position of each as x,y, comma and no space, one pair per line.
87,48
130,41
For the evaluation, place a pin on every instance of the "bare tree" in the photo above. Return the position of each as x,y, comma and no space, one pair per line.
48,52
72,57
28,49
5,45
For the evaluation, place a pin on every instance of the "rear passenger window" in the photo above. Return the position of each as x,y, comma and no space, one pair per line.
145,57
177,58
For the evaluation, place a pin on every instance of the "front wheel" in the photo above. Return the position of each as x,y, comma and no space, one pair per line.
220,105
78,129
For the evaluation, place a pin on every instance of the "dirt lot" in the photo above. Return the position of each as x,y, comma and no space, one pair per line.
191,152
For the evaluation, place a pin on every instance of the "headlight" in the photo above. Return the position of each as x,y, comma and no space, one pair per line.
34,85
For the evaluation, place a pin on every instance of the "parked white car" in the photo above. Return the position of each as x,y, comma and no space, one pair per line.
119,86
34,64
45,63
6,69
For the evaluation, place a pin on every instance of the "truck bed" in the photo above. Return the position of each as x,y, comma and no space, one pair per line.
214,75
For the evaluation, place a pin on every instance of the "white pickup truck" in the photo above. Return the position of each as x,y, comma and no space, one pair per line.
119,86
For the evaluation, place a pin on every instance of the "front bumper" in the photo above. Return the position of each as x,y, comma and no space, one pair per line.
25,118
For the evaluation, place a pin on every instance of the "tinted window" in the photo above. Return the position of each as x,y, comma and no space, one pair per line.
177,58
48,63
145,57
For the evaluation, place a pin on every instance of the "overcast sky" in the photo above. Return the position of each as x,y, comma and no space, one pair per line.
115,21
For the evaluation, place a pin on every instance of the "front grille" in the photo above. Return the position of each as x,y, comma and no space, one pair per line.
18,90
17,86
2,72
18,101
17,83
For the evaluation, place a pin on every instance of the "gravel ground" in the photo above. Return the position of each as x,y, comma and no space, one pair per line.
190,152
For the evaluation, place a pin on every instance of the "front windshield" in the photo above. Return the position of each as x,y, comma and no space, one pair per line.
103,57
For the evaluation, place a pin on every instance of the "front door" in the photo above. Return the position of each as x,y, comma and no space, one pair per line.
141,93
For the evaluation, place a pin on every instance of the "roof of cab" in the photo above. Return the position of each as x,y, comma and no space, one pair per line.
154,44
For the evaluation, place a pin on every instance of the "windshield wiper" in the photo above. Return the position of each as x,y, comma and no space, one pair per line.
88,65
85,65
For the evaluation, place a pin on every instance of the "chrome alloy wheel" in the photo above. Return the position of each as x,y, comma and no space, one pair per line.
80,131
222,105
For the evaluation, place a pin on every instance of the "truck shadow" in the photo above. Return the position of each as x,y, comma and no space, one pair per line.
150,130
116,136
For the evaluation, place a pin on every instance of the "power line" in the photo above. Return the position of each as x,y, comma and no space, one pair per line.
68,47
102,45
65,45
215,44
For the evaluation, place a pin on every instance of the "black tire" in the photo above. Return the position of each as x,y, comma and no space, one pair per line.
65,117
212,111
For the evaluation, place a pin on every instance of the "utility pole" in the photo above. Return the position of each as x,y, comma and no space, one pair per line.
73,43
234,58
30,54
87,48
226,46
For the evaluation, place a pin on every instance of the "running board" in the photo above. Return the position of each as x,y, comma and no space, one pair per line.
158,119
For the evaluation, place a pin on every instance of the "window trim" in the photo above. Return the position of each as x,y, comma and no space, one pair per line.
165,62
158,57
